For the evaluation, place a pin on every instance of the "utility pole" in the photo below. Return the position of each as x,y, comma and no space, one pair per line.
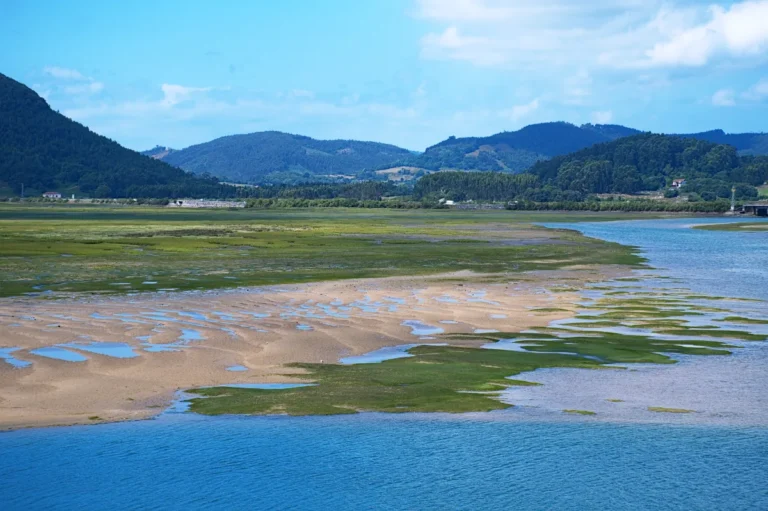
22,191
733,199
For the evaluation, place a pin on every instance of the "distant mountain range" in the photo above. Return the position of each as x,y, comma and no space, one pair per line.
48,152
517,151
514,151
275,157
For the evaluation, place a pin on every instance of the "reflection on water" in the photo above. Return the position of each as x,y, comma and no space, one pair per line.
110,349
382,354
59,354
720,390
6,354
720,263
420,329
268,386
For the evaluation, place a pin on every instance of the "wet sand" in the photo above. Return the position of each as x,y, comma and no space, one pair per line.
185,340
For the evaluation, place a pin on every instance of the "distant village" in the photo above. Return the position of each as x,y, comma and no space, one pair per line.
177,203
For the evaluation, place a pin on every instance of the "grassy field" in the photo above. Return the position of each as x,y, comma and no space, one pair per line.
126,249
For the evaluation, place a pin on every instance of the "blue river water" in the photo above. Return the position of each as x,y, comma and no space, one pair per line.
418,461
719,263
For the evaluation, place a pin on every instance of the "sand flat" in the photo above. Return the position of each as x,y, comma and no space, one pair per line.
193,338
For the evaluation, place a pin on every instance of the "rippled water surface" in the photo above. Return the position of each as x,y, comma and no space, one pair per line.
382,462
722,263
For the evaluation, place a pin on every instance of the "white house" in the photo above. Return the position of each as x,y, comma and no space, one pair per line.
678,183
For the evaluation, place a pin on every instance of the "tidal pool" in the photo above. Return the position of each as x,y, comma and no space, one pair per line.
110,349
268,386
59,354
6,354
420,329
386,353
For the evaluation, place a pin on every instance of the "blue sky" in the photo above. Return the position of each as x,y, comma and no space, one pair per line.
407,72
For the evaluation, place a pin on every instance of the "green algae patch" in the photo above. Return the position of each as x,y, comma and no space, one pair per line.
594,324
743,320
661,409
580,412
712,332
455,380
470,379
443,379
740,227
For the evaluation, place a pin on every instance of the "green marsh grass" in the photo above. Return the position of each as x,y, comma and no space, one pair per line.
76,249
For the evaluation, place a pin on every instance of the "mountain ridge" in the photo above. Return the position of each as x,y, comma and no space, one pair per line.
48,151
277,157
274,156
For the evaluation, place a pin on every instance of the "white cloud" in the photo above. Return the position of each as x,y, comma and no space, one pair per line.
450,44
175,94
182,103
84,85
301,93
577,88
613,34
518,112
467,10
602,117
738,31
724,97
757,92
63,73
86,88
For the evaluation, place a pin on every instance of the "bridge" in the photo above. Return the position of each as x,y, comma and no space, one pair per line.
755,209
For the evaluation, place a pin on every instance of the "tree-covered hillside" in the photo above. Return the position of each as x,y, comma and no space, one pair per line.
275,157
651,162
745,143
625,166
517,151
47,151
510,151
484,186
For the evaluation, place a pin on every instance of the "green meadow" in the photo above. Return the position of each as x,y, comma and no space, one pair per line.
101,249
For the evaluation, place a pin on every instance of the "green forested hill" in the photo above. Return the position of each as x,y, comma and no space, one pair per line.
745,143
275,157
510,151
627,165
517,151
47,151
650,162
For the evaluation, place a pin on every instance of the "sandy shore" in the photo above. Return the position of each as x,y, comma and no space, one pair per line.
204,334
